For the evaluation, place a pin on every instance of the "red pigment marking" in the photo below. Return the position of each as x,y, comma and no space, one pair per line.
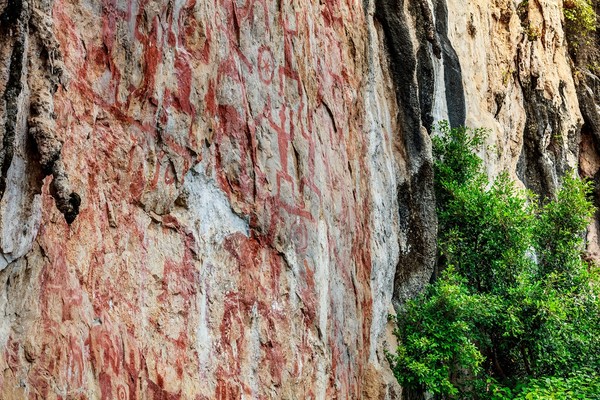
253,269
286,73
138,182
109,25
241,183
282,138
72,302
131,366
53,279
116,112
210,99
191,30
259,268
122,392
331,14
11,353
266,64
105,380
152,57
157,391
179,278
226,390
160,156
288,30
37,378
106,349
184,74
76,363
229,69
67,35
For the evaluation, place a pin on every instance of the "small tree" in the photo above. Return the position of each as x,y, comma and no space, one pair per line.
516,302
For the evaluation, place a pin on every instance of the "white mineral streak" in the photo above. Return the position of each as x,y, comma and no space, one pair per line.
210,208
383,186
20,208
440,104
322,278
210,214
203,339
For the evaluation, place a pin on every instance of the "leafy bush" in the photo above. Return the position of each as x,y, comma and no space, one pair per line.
516,309
438,335
582,385
580,21
580,15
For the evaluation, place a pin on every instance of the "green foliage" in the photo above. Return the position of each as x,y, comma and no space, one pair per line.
515,313
439,335
533,32
582,385
452,163
559,229
486,233
580,15
580,21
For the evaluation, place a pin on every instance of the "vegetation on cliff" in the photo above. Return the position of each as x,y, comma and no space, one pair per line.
515,311
580,21
580,15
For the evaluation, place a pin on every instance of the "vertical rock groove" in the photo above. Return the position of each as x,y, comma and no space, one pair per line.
28,25
550,141
12,26
414,77
44,77
587,83
415,195
455,95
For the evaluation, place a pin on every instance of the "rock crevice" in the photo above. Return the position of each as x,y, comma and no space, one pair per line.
37,66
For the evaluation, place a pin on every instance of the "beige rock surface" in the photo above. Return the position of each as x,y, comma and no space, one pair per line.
514,56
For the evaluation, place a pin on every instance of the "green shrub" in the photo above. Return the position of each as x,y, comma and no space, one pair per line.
580,15
580,21
582,385
515,310
438,336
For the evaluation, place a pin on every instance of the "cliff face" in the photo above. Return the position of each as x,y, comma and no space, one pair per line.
224,199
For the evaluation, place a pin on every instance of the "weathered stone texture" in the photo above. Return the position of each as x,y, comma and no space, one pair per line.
228,164
223,199
519,85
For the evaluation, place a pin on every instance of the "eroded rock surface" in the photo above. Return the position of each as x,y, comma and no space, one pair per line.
228,163
225,199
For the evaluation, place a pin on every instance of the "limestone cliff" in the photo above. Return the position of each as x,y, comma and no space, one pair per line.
222,199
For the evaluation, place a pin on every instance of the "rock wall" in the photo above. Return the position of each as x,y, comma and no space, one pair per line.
587,81
224,199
